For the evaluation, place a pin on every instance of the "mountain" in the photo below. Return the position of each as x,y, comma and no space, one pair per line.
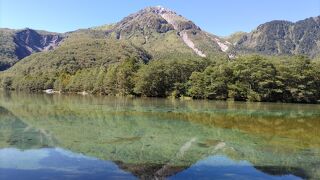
17,44
235,37
153,33
283,37
156,52
162,33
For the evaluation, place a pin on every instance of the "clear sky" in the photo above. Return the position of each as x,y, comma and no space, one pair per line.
221,17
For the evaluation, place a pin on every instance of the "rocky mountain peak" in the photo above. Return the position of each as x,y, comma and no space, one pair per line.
155,18
284,37
158,10
317,19
179,22
276,24
153,21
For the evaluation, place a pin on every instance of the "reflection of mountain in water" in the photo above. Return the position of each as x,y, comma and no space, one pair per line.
151,171
158,138
55,163
16,133
281,171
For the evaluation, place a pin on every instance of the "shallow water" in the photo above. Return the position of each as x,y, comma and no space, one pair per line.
91,137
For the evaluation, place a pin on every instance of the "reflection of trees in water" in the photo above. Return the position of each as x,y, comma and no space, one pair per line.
145,135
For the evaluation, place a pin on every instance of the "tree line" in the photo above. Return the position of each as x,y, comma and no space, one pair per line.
248,78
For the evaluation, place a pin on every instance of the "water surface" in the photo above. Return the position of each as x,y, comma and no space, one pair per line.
91,137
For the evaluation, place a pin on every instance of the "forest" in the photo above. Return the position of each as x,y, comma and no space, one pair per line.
247,78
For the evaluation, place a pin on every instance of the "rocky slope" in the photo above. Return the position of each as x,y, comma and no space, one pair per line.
17,44
163,33
235,37
283,37
29,41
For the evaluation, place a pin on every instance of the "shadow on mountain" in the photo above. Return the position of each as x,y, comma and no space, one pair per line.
150,171
282,171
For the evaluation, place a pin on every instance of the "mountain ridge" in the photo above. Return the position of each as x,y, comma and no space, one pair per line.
18,44
162,20
281,37
159,30
158,53
165,34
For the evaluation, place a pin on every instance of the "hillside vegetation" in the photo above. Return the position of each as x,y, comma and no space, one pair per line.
161,32
18,44
249,78
283,37
158,53
7,49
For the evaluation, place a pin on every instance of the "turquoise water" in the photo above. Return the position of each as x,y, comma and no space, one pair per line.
94,137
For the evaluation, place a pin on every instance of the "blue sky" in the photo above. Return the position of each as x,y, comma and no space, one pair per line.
221,17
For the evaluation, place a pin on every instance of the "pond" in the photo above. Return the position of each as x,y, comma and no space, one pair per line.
97,137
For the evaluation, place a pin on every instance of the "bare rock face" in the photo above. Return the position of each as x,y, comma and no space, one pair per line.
178,22
151,171
160,31
153,23
29,41
157,19
284,37
142,22
18,44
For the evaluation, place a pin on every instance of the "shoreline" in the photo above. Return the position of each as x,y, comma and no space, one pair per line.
182,98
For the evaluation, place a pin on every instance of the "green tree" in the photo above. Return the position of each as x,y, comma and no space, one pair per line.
255,79
164,78
62,82
99,83
120,78
210,84
6,83
196,85
300,78
110,82
125,76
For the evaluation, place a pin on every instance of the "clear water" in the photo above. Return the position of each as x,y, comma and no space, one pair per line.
93,137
